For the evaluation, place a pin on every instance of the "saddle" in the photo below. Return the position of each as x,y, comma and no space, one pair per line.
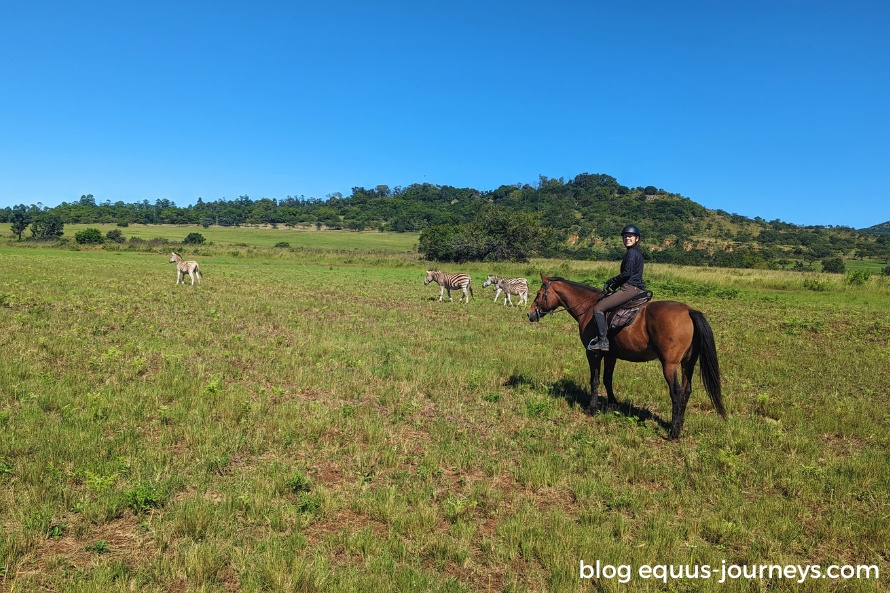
624,316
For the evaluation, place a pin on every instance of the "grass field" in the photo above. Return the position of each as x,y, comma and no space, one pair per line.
312,419
217,236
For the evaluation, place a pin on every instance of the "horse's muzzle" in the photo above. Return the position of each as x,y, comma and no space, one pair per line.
535,315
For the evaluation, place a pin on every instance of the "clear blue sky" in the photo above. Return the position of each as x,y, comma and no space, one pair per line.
763,108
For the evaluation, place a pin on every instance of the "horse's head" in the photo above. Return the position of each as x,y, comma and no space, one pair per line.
174,257
491,280
546,301
429,276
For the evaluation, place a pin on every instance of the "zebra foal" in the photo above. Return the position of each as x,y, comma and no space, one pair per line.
184,267
450,281
509,286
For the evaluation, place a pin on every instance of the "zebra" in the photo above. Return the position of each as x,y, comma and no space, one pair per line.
518,286
449,281
185,267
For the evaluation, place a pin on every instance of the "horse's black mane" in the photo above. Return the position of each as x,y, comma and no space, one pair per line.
573,283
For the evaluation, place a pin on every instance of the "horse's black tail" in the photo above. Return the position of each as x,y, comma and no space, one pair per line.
703,341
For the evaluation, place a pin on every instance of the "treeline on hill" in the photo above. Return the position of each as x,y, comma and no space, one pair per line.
579,219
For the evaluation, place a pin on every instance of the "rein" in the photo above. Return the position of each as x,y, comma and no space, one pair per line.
566,308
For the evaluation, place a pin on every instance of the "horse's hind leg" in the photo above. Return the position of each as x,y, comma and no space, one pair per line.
688,370
679,398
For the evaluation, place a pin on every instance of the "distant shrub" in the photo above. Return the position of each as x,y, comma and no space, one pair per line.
833,265
123,224
115,235
137,241
815,285
194,239
858,277
282,244
89,236
886,271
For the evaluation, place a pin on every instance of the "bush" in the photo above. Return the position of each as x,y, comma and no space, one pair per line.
858,277
833,265
115,235
282,244
194,239
815,285
89,236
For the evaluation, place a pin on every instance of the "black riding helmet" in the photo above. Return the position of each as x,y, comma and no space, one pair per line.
630,230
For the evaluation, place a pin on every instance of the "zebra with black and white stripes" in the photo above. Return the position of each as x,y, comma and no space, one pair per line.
510,286
450,281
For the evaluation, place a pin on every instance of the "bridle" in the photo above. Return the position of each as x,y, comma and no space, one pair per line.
538,313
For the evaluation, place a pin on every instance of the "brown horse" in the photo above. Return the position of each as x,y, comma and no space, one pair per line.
672,332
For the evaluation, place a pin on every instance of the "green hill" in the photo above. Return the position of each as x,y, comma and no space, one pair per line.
879,229
582,218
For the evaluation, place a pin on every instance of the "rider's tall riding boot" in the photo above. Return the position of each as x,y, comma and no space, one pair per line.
601,342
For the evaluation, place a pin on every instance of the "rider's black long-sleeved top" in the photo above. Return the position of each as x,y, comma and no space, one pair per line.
631,269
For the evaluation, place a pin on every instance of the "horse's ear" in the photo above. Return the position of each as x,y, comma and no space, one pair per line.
545,278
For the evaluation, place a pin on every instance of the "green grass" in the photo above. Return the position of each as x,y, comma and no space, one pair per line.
312,419
261,237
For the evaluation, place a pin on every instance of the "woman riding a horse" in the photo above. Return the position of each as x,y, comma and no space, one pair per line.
624,287
672,332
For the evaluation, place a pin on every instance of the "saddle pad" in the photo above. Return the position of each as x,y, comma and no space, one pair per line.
625,315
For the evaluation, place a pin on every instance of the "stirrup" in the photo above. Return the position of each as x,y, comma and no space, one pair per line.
597,344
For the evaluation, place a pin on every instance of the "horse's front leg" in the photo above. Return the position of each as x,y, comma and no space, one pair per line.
442,293
608,371
593,360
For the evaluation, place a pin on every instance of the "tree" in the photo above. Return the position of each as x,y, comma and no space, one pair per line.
496,234
833,265
436,242
47,226
19,222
